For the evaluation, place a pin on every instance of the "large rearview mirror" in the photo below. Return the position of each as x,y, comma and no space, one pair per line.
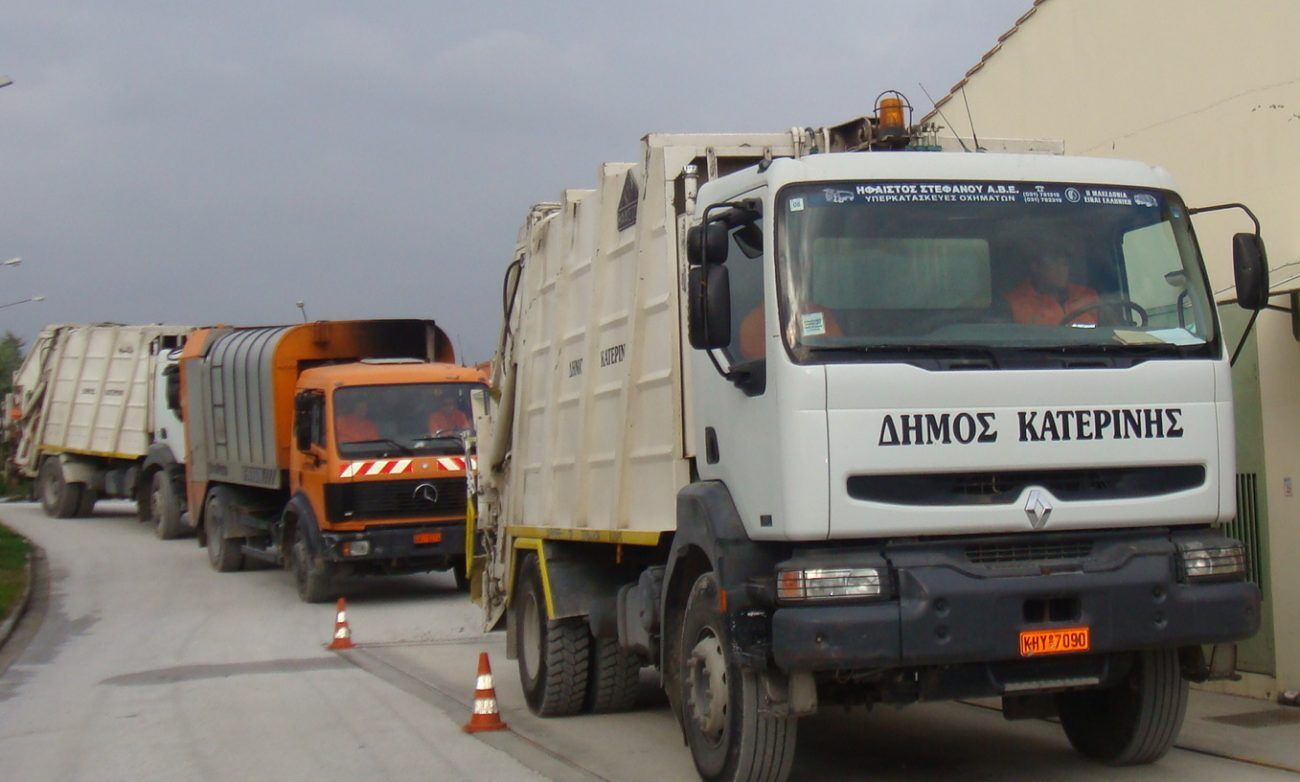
708,293
1250,270
707,243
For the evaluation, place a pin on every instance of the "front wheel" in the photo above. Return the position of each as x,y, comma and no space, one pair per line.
459,572
1134,722
730,737
312,575
554,655
165,507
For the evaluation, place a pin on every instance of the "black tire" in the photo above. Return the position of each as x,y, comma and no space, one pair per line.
164,507
615,678
224,554
313,576
1134,722
461,575
59,499
554,655
86,505
730,740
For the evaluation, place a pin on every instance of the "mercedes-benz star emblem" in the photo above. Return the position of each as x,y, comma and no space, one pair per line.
1037,508
427,492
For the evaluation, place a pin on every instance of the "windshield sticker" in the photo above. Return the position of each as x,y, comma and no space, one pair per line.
813,324
970,192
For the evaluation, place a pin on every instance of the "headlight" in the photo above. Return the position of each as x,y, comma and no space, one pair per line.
832,583
1220,560
356,548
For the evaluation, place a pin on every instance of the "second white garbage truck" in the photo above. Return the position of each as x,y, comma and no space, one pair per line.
814,417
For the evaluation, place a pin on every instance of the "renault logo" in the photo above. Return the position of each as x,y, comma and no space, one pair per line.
1037,508
427,492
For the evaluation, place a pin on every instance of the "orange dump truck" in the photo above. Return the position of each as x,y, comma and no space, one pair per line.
333,448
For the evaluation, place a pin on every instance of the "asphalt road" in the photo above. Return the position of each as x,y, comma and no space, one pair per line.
148,665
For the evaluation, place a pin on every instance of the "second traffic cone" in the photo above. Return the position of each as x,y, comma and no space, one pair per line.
486,716
342,633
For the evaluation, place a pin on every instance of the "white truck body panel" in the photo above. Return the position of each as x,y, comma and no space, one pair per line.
88,390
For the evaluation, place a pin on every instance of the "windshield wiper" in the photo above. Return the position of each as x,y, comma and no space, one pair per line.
401,448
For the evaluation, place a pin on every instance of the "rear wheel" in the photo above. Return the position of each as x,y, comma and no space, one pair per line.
730,737
1134,722
59,499
554,655
312,575
224,553
165,507
615,677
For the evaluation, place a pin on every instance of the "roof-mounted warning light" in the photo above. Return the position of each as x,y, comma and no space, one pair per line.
889,127
893,121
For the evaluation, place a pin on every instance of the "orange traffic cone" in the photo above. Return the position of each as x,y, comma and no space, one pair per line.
342,633
486,716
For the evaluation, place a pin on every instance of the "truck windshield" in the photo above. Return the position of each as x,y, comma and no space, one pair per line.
926,265
390,420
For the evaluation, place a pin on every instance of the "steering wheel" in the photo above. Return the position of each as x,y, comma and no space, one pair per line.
1124,304
446,433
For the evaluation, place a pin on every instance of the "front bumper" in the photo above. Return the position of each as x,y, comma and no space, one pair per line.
397,546
944,613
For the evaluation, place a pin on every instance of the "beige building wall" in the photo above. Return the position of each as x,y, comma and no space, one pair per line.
1210,90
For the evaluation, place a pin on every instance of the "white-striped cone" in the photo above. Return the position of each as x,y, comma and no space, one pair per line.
486,716
342,633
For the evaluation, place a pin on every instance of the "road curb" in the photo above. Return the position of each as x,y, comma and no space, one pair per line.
9,625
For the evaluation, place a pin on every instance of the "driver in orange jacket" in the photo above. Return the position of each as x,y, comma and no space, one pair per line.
1047,296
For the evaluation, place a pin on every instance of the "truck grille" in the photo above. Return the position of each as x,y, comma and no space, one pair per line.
1039,551
395,499
1004,488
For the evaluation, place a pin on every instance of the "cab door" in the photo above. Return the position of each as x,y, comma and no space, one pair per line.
310,464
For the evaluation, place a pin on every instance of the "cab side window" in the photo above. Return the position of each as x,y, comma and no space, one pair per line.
745,273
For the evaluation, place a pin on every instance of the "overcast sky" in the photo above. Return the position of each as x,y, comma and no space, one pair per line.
199,162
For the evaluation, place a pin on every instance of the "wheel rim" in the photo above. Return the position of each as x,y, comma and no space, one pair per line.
707,696
532,637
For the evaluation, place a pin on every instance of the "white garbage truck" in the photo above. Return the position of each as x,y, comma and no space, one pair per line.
832,416
95,413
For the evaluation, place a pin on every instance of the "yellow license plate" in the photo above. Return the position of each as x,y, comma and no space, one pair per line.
423,538
1067,640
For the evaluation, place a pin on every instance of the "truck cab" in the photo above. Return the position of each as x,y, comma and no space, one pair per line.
332,448
379,458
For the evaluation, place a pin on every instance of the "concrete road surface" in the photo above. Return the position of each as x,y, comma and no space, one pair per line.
148,665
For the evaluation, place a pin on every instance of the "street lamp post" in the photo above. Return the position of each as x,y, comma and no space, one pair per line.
22,301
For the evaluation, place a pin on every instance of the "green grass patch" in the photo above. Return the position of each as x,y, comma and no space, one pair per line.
13,559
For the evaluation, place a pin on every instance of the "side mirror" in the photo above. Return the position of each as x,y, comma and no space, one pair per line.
707,243
1250,269
172,380
302,433
708,292
302,422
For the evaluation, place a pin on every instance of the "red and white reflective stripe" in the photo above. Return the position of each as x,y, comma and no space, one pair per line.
456,463
376,467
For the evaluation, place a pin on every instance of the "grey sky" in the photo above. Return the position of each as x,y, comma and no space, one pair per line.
214,162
